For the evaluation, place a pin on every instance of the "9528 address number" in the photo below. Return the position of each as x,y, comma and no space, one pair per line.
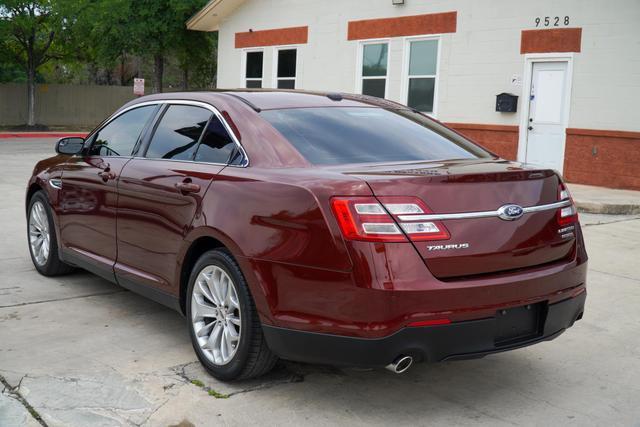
552,21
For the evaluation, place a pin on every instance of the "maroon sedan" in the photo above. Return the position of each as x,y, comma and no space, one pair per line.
323,228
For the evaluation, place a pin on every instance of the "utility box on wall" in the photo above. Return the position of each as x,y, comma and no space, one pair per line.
506,103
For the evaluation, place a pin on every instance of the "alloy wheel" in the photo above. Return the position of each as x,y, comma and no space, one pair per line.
215,315
39,236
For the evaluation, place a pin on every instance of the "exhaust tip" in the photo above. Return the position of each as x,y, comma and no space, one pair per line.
400,365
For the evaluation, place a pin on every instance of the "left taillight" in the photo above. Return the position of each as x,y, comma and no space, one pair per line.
376,220
568,214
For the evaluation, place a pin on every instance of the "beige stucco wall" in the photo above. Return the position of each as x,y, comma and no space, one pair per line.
476,63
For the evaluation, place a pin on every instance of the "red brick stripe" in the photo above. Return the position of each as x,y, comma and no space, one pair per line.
551,40
274,37
499,139
435,23
603,157
604,133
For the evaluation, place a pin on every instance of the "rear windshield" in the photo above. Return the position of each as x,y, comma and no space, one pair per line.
345,135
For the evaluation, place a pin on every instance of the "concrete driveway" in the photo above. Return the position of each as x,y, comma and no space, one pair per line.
79,351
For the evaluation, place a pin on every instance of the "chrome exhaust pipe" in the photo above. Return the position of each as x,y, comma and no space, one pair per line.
400,365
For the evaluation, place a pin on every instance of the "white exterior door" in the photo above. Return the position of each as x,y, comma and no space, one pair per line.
547,110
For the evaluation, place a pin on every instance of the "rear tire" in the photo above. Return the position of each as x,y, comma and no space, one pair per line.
224,326
41,236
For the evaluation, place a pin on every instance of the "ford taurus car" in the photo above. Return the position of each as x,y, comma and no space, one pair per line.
324,228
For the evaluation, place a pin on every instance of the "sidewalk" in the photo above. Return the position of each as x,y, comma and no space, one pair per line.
600,200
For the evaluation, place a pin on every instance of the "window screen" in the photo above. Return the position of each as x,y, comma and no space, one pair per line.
423,60
178,132
253,70
343,135
119,137
374,69
287,68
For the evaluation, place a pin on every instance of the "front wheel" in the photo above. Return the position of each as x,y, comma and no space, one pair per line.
223,323
41,233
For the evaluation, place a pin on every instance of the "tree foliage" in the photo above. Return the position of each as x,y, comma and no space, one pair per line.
29,31
107,42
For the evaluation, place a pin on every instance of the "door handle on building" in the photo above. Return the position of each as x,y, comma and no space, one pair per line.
530,128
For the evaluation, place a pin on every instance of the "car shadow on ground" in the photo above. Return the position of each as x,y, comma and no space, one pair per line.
152,339
127,342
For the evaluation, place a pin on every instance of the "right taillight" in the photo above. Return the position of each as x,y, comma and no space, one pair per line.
376,220
568,214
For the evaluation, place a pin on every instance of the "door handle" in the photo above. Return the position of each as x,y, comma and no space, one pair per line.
530,128
106,175
187,187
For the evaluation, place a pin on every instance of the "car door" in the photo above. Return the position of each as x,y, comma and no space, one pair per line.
161,192
89,191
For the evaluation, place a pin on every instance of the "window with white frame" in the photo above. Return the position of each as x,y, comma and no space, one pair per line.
253,68
286,68
420,83
373,74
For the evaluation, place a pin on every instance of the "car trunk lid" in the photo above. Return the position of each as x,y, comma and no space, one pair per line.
486,244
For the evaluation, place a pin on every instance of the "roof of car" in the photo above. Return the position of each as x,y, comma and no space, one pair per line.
277,99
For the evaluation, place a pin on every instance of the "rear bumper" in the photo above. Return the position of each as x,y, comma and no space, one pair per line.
460,340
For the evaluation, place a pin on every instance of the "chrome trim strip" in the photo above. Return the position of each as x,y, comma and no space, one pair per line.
56,183
539,208
483,214
209,107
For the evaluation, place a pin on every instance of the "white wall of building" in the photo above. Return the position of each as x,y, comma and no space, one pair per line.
476,63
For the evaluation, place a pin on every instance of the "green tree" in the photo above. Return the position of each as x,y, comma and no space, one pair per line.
10,70
104,36
196,55
158,29
30,29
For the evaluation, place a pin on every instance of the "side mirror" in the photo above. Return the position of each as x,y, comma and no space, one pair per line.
70,145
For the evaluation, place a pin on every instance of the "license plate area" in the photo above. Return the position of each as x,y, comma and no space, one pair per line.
519,323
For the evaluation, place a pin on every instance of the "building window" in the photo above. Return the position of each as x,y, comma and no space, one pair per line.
375,61
286,71
253,69
421,74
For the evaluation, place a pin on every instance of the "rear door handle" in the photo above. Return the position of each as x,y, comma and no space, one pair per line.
187,187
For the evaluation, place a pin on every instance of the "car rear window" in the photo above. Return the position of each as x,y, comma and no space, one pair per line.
345,135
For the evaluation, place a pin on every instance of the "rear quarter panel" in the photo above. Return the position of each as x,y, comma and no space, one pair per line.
277,218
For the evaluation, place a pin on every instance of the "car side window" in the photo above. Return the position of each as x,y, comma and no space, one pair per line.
119,137
216,145
176,136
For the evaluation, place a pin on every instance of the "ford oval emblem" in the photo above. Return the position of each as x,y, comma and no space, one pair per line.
510,212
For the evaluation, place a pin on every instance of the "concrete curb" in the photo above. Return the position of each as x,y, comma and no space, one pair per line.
606,201
607,208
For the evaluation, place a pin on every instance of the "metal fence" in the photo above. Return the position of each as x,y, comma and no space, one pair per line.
62,105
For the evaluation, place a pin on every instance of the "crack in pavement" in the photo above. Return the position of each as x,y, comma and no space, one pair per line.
615,275
63,299
14,393
103,397
152,413
289,377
